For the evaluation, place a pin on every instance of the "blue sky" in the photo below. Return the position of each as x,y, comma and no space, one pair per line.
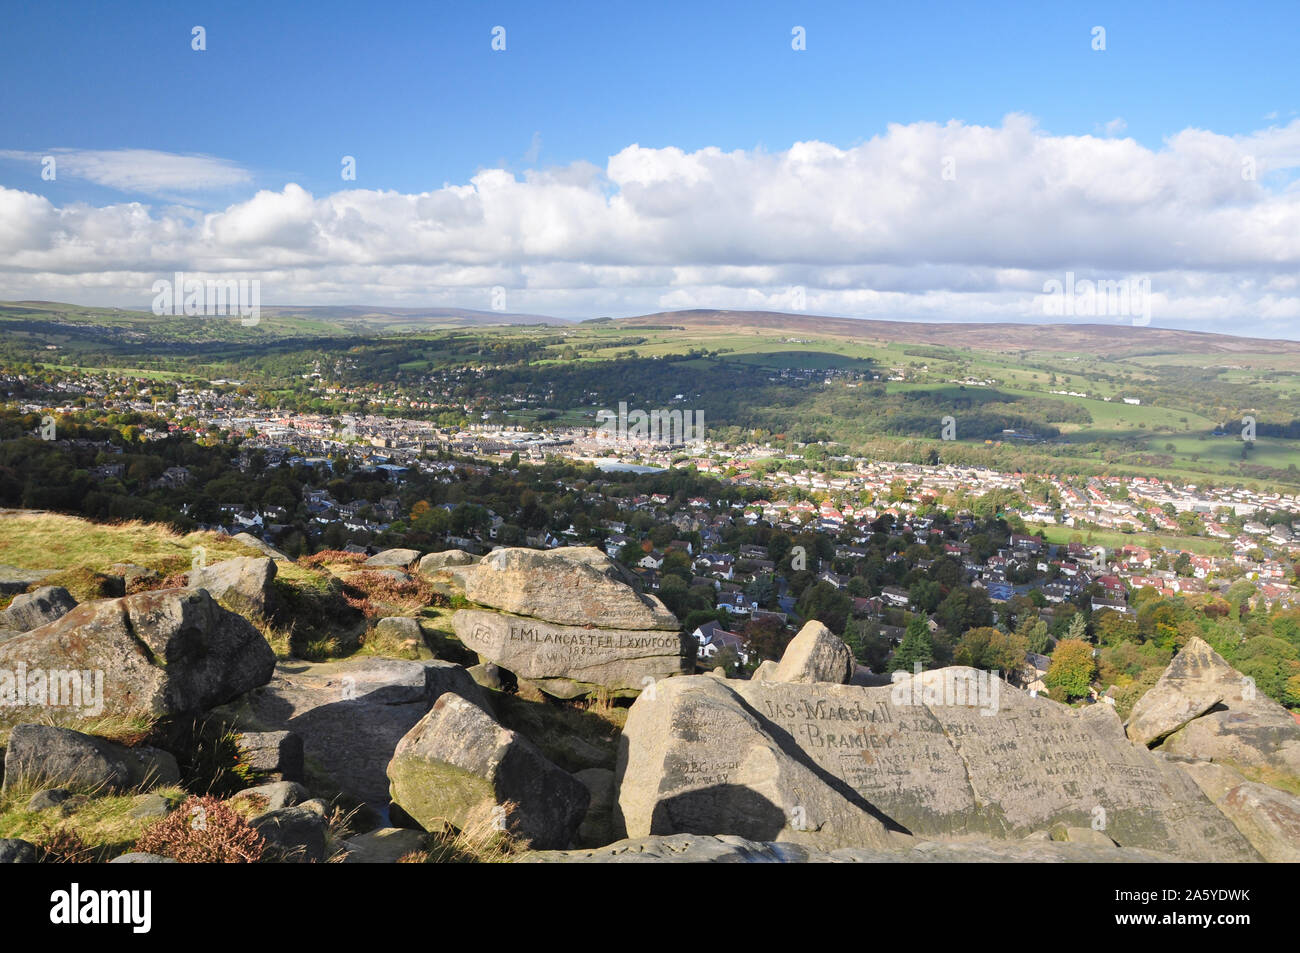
416,94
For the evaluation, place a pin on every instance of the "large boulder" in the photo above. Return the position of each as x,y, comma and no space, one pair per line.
949,753
570,660
460,766
815,655
1202,708
48,756
31,610
392,559
349,714
244,584
555,587
441,562
168,652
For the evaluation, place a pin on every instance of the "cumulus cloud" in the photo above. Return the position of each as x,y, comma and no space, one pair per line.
947,221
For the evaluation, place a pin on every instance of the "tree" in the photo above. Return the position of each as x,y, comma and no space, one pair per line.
1072,670
917,646
827,605
1034,631
991,649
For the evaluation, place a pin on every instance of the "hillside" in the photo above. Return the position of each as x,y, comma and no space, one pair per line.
1117,339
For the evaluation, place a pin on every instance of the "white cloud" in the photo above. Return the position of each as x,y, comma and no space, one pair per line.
145,171
927,220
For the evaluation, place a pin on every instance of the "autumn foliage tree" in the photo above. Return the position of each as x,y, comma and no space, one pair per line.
1072,670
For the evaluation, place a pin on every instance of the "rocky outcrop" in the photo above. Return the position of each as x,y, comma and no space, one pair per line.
31,610
460,766
566,589
172,651
727,849
815,655
1202,708
243,584
349,714
949,753
45,755
568,660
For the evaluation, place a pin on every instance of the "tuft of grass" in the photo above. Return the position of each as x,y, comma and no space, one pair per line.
102,823
480,841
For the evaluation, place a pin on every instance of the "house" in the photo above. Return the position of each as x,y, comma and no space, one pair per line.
1034,671
896,597
711,638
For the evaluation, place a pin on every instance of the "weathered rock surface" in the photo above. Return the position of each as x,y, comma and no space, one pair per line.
815,655
14,580
274,796
274,755
350,714
765,671
387,845
729,849
293,834
48,798
1269,818
266,549
942,755
401,628
1202,708
243,584
46,755
392,559
152,806
16,851
139,857
570,660
598,823
460,765
31,610
563,589
173,651
440,562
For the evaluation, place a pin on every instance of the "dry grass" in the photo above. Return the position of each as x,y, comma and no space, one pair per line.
480,841
103,824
